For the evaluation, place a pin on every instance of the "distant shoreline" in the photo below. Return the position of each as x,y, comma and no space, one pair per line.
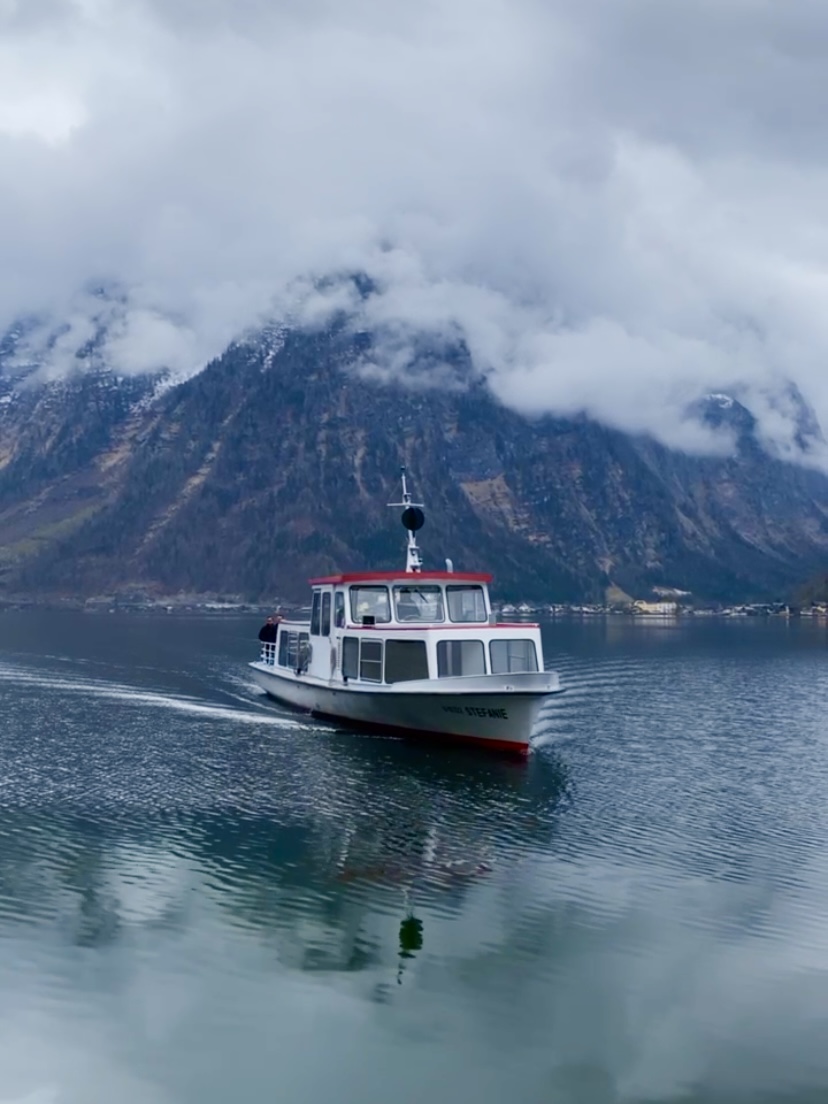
505,611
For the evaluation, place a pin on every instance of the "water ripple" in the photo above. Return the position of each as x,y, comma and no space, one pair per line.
633,914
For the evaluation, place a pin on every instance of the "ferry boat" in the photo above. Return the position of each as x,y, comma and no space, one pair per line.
411,652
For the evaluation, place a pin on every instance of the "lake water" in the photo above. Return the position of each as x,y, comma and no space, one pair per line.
205,898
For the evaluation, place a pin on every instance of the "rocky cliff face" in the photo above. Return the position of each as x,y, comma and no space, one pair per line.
276,462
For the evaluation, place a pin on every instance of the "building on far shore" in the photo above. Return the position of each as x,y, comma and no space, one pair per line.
655,609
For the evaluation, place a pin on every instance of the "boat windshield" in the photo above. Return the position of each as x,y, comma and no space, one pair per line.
466,603
419,603
371,602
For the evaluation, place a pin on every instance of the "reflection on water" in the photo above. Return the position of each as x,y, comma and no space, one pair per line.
204,897
356,828
301,839
411,940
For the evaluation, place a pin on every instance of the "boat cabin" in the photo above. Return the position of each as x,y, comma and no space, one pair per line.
392,627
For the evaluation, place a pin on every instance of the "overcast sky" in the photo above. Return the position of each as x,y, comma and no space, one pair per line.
620,204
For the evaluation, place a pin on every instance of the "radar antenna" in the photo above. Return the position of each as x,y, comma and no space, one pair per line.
413,519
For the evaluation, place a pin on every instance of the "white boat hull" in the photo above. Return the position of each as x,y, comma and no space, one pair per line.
496,711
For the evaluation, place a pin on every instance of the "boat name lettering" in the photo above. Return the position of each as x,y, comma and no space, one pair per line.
478,711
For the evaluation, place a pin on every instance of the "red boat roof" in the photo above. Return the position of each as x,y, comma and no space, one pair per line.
402,577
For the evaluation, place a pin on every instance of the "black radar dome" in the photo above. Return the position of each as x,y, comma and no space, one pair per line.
413,518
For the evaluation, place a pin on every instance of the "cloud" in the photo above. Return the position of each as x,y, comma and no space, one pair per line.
617,207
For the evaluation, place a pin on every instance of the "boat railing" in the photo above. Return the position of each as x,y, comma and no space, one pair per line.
269,654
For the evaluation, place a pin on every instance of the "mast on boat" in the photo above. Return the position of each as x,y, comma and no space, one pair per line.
413,519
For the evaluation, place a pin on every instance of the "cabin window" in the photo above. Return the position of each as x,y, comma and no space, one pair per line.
419,603
512,655
294,650
314,625
405,660
339,610
370,602
460,657
325,627
350,657
466,603
370,660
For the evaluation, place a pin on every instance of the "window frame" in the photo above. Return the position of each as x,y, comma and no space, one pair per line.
424,587
339,609
516,670
377,643
353,593
443,650
350,670
325,627
405,644
469,588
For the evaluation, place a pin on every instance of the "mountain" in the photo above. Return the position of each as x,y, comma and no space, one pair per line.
813,592
277,460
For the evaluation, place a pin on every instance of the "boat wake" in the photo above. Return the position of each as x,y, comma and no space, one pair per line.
561,719
131,695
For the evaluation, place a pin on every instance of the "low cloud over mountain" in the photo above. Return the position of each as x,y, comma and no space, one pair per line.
616,208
